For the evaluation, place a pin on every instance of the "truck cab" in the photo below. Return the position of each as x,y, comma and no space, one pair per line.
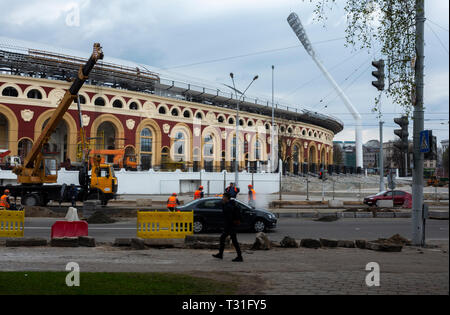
103,183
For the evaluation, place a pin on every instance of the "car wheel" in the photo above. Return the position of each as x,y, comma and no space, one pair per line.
30,200
259,226
199,226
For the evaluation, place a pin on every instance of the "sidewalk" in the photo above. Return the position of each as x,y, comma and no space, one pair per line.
276,271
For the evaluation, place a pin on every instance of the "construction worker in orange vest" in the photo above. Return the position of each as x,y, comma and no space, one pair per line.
199,193
251,196
172,202
4,201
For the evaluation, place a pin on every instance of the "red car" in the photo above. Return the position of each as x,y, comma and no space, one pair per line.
401,198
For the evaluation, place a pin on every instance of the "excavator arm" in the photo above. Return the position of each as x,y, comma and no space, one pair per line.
33,170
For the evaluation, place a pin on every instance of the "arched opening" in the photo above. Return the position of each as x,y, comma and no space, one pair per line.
4,132
221,119
117,104
99,101
106,137
34,94
24,147
57,145
134,106
165,157
10,91
174,112
146,148
208,153
295,159
187,114
162,110
312,159
179,147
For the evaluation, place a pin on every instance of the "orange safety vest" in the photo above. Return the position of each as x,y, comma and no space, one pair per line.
253,194
172,202
4,202
197,194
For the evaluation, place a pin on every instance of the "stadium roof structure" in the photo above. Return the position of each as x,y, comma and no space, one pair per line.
55,63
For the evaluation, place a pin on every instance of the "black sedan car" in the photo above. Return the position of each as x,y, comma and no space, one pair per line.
208,216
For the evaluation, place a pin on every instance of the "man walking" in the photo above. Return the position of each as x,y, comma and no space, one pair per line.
232,190
232,216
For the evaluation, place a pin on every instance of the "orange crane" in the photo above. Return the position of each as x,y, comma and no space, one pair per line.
119,158
36,170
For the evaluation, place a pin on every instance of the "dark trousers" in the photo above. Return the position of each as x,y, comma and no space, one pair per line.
232,233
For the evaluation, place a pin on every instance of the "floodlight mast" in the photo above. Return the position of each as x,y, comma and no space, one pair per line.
297,27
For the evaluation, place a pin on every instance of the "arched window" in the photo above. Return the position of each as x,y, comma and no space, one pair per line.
146,149
117,104
208,148
199,116
250,123
231,121
99,101
179,146
134,106
221,119
34,94
24,147
10,91
82,99
186,114
258,150
162,110
174,112
241,122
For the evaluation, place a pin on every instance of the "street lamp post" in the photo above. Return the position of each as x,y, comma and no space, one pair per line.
236,162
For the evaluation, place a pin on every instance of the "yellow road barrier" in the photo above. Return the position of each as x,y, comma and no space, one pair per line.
155,224
12,223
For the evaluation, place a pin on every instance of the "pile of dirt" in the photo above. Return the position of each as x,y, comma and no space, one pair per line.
395,239
99,217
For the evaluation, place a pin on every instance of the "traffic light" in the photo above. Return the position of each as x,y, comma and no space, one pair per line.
379,74
402,145
402,133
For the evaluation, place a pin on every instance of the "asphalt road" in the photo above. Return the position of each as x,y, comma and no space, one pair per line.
298,228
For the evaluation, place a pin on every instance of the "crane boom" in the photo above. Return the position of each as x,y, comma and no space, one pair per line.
30,172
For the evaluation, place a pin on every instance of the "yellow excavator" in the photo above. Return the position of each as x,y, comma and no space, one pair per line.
38,175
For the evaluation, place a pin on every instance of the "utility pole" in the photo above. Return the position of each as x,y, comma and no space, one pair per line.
418,116
381,157
272,133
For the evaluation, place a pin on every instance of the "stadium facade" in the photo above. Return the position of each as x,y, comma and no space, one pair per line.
163,123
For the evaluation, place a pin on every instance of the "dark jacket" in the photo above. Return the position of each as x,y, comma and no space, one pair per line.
231,213
232,190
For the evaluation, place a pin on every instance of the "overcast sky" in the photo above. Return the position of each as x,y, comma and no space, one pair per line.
182,37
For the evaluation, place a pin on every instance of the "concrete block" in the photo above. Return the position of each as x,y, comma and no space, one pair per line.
335,203
347,244
328,243
87,241
385,203
360,244
310,243
17,242
363,215
122,242
64,242
143,202
162,242
137,243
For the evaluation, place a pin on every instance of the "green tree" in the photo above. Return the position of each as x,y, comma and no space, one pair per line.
387,26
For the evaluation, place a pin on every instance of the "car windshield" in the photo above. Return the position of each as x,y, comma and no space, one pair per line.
381,193
190,204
